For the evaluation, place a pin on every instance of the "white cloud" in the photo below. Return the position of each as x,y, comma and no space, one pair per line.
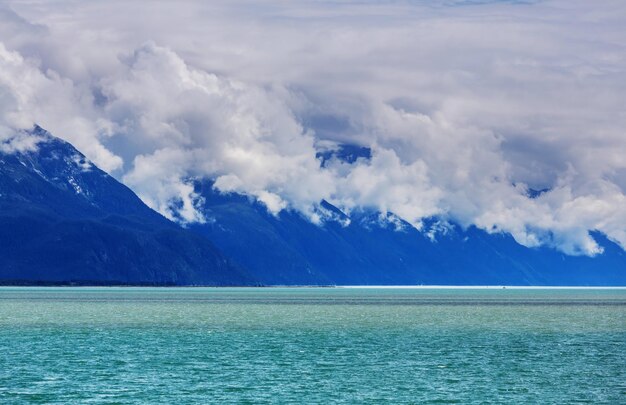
466,108
28,96
243,136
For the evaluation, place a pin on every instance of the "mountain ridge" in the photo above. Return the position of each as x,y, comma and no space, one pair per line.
364,249
64,220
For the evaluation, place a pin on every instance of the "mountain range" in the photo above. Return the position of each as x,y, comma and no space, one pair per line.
65,221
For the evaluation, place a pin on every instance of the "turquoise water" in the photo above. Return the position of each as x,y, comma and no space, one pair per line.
318,345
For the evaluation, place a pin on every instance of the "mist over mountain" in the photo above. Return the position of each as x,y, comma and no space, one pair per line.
463,110
63,220
372,248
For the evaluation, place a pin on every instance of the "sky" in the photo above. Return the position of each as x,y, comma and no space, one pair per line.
506,115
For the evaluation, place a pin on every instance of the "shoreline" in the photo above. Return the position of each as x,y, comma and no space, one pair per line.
354,287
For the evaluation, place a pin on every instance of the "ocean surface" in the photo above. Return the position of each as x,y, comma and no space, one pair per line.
312,345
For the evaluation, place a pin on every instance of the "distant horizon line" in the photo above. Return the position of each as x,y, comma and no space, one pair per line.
482,287
399,287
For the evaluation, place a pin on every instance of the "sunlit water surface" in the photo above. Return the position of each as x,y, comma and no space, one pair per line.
311,345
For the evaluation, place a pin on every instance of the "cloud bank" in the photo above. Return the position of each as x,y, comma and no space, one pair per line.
506,115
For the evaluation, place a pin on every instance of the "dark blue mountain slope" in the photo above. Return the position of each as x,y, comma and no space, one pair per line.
63,220
288,249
